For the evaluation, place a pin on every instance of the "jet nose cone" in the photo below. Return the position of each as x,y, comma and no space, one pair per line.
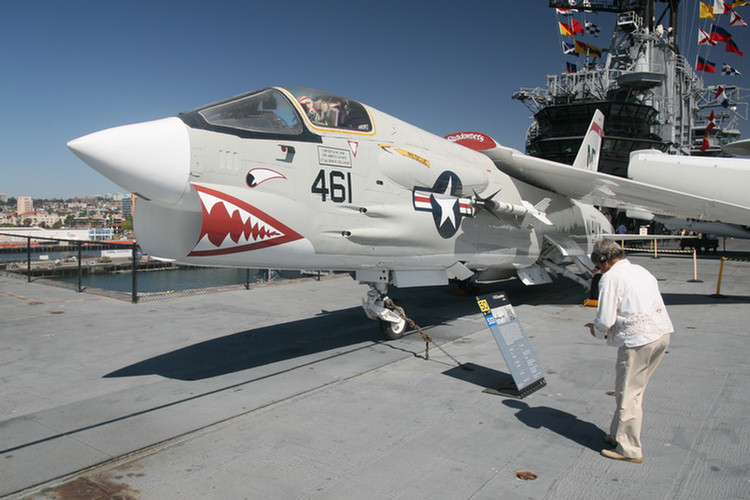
150,159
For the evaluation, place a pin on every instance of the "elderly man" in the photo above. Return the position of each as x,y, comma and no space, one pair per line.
631,316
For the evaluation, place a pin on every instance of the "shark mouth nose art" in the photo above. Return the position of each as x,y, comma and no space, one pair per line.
231,225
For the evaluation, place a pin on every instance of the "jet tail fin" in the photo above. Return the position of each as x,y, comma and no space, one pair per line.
512,161
588,154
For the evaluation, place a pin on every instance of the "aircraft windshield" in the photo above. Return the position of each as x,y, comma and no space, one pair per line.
332,111
265,111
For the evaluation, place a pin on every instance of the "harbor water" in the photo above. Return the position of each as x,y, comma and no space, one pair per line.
171,280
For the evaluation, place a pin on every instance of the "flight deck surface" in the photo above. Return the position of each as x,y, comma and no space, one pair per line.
287,391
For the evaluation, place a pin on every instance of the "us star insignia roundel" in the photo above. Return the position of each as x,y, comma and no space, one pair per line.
444,202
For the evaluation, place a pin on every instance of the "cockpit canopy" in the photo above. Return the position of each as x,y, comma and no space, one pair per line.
278,112
331,111
264,111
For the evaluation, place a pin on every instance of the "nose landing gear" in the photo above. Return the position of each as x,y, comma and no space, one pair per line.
378,306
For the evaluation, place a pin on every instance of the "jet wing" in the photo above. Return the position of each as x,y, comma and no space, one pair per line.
609,191
642,200
583,182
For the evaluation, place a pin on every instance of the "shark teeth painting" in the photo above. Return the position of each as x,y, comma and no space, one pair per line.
231,225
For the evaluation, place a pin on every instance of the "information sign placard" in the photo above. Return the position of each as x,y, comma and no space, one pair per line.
513,343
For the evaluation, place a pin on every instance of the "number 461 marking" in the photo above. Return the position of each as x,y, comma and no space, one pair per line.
336,185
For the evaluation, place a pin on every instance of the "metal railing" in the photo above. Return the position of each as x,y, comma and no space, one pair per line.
120,270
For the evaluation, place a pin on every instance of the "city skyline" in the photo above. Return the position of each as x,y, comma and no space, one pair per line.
86,66
109,211
107,196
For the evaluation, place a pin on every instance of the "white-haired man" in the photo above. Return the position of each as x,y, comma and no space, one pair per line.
631,316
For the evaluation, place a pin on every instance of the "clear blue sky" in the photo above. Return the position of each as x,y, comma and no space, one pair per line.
74,67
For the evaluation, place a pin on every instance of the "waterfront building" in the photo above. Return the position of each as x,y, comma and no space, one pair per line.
101,233
31,219
128,202
24,205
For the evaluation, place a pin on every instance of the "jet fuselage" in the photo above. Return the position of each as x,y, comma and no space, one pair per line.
301,179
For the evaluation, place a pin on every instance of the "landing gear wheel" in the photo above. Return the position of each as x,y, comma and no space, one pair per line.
392,330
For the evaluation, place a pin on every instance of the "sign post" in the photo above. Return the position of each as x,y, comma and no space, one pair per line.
514,345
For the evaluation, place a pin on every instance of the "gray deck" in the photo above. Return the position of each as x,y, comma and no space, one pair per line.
288,392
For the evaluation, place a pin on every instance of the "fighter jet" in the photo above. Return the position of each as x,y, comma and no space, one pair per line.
295,178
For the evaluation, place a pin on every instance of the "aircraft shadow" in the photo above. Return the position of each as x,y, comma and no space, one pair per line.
681,299
334,330
257,347
560,292
327,331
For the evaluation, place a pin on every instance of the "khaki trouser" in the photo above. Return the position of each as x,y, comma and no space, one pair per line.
634,367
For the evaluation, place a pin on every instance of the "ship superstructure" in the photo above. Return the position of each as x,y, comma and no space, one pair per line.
651,96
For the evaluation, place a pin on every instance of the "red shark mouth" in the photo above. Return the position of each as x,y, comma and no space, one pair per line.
230,225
